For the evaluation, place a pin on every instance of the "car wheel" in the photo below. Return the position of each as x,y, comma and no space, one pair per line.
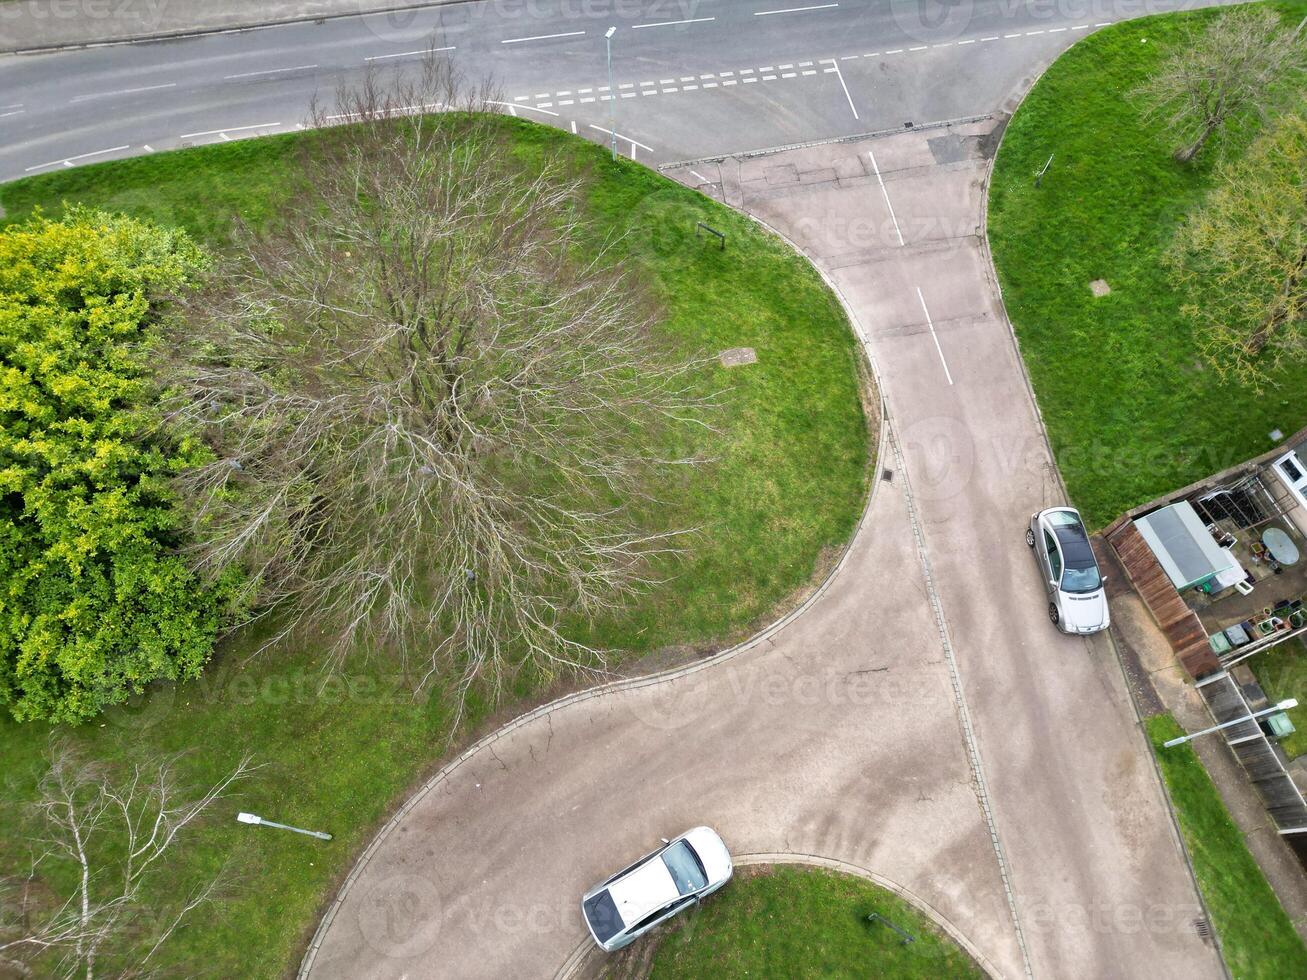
1030,537
1053,614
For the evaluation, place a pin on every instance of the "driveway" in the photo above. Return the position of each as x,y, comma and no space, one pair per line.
919,719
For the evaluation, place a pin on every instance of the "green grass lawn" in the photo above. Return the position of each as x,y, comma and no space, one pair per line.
1256,936
784,493
796,922
1131,411
1282,673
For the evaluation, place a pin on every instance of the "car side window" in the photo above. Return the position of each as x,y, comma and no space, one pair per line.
653,917
1054,556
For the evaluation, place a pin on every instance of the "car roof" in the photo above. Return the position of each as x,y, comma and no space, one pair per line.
1073,540
643,889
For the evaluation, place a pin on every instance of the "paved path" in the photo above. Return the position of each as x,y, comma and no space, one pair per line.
920,720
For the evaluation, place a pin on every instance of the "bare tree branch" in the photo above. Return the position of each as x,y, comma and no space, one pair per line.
430,406
113,835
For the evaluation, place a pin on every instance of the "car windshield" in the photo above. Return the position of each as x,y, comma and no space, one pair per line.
684,867
1081,579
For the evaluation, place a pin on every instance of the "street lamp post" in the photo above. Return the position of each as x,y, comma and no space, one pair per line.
258,821
1282,706
612,92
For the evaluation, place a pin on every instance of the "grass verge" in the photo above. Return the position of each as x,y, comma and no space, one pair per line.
791,451
1257,938
805,922
1130,409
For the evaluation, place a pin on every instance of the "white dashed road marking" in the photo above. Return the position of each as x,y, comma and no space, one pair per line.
673,23
541,37
885,193
270,71
68,161
408,54
934,336
794,10
124,91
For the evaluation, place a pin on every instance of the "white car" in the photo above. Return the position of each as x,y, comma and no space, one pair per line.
1077,599
656,887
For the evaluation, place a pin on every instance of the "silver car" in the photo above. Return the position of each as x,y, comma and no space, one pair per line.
1077,599
656,887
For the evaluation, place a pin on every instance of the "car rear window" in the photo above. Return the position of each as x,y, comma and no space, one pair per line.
602,916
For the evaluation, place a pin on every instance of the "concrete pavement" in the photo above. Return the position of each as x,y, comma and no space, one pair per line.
921,719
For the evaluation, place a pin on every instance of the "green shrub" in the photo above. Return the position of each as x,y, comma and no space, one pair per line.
94,603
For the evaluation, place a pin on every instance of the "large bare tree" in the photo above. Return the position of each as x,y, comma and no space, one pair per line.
431,398
1241,257
1235,65
108,837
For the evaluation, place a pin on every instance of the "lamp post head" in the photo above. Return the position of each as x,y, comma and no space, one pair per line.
611,32
248,818
1287,704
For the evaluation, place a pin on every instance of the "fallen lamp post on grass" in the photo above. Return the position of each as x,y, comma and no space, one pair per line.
1282,706
903,935
258,821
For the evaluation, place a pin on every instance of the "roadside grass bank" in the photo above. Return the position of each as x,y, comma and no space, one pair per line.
1257,938
789,475
805,922
1131,410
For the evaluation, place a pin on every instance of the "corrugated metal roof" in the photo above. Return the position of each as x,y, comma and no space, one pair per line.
1184,548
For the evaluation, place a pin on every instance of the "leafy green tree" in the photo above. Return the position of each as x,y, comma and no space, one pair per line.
1241,257
94,601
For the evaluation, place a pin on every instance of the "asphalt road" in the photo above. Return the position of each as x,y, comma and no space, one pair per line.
693,78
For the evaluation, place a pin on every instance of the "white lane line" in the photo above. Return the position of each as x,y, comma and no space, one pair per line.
13,105
541,37
898,231
147,148
673,23
934,336
794,10
68,161
701,177
919,47
124,91
15,112
230,129
840,75
408,54
533,108
270,71
425,106
624,139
